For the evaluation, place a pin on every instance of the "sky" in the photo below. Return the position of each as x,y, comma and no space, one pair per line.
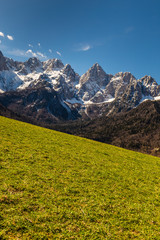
121,35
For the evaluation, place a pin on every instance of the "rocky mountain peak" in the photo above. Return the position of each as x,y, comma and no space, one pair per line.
148,80
68,70
92,82
125,76
96,66
96,69
95,74
52,64
149,86
66,82
3,65
67,67
33,63
58,63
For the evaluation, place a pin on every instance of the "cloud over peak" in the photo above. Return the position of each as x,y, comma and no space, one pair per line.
30,53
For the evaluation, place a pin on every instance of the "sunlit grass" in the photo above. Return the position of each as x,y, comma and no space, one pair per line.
58,186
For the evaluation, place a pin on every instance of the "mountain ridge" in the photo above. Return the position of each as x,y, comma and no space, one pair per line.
93,94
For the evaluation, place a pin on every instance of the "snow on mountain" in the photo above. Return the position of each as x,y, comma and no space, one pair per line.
9,80
65,83
157,98
94,93
52,64
150,86
92,82
119,83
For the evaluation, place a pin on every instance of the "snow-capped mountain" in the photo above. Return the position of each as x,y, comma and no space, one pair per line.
93,94
93,82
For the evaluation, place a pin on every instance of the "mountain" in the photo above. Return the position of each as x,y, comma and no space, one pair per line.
39,103
93,94
93,82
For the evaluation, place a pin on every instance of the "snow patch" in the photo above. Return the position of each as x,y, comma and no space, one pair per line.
145,98
106,101
9,80
73,101
157,98
115,79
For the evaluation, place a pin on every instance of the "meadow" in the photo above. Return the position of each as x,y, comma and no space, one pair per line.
59,186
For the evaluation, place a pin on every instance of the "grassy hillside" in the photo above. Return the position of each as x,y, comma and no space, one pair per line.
58,186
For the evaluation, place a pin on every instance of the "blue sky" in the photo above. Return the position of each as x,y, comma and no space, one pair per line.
121,35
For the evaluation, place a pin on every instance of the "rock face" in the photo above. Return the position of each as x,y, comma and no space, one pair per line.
149,86
40,103
119,83
93,94
66,82
3,64
52,64
8,79
93,82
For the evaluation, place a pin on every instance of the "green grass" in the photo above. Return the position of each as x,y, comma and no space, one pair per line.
58,186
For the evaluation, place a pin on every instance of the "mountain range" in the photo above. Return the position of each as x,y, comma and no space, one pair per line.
51,92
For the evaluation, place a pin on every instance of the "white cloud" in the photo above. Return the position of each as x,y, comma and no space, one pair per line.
50,50
30,53
10,37
30,45
59,53
1,34
86,48
83,47
41,55
39,44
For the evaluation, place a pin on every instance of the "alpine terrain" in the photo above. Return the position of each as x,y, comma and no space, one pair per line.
50,92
